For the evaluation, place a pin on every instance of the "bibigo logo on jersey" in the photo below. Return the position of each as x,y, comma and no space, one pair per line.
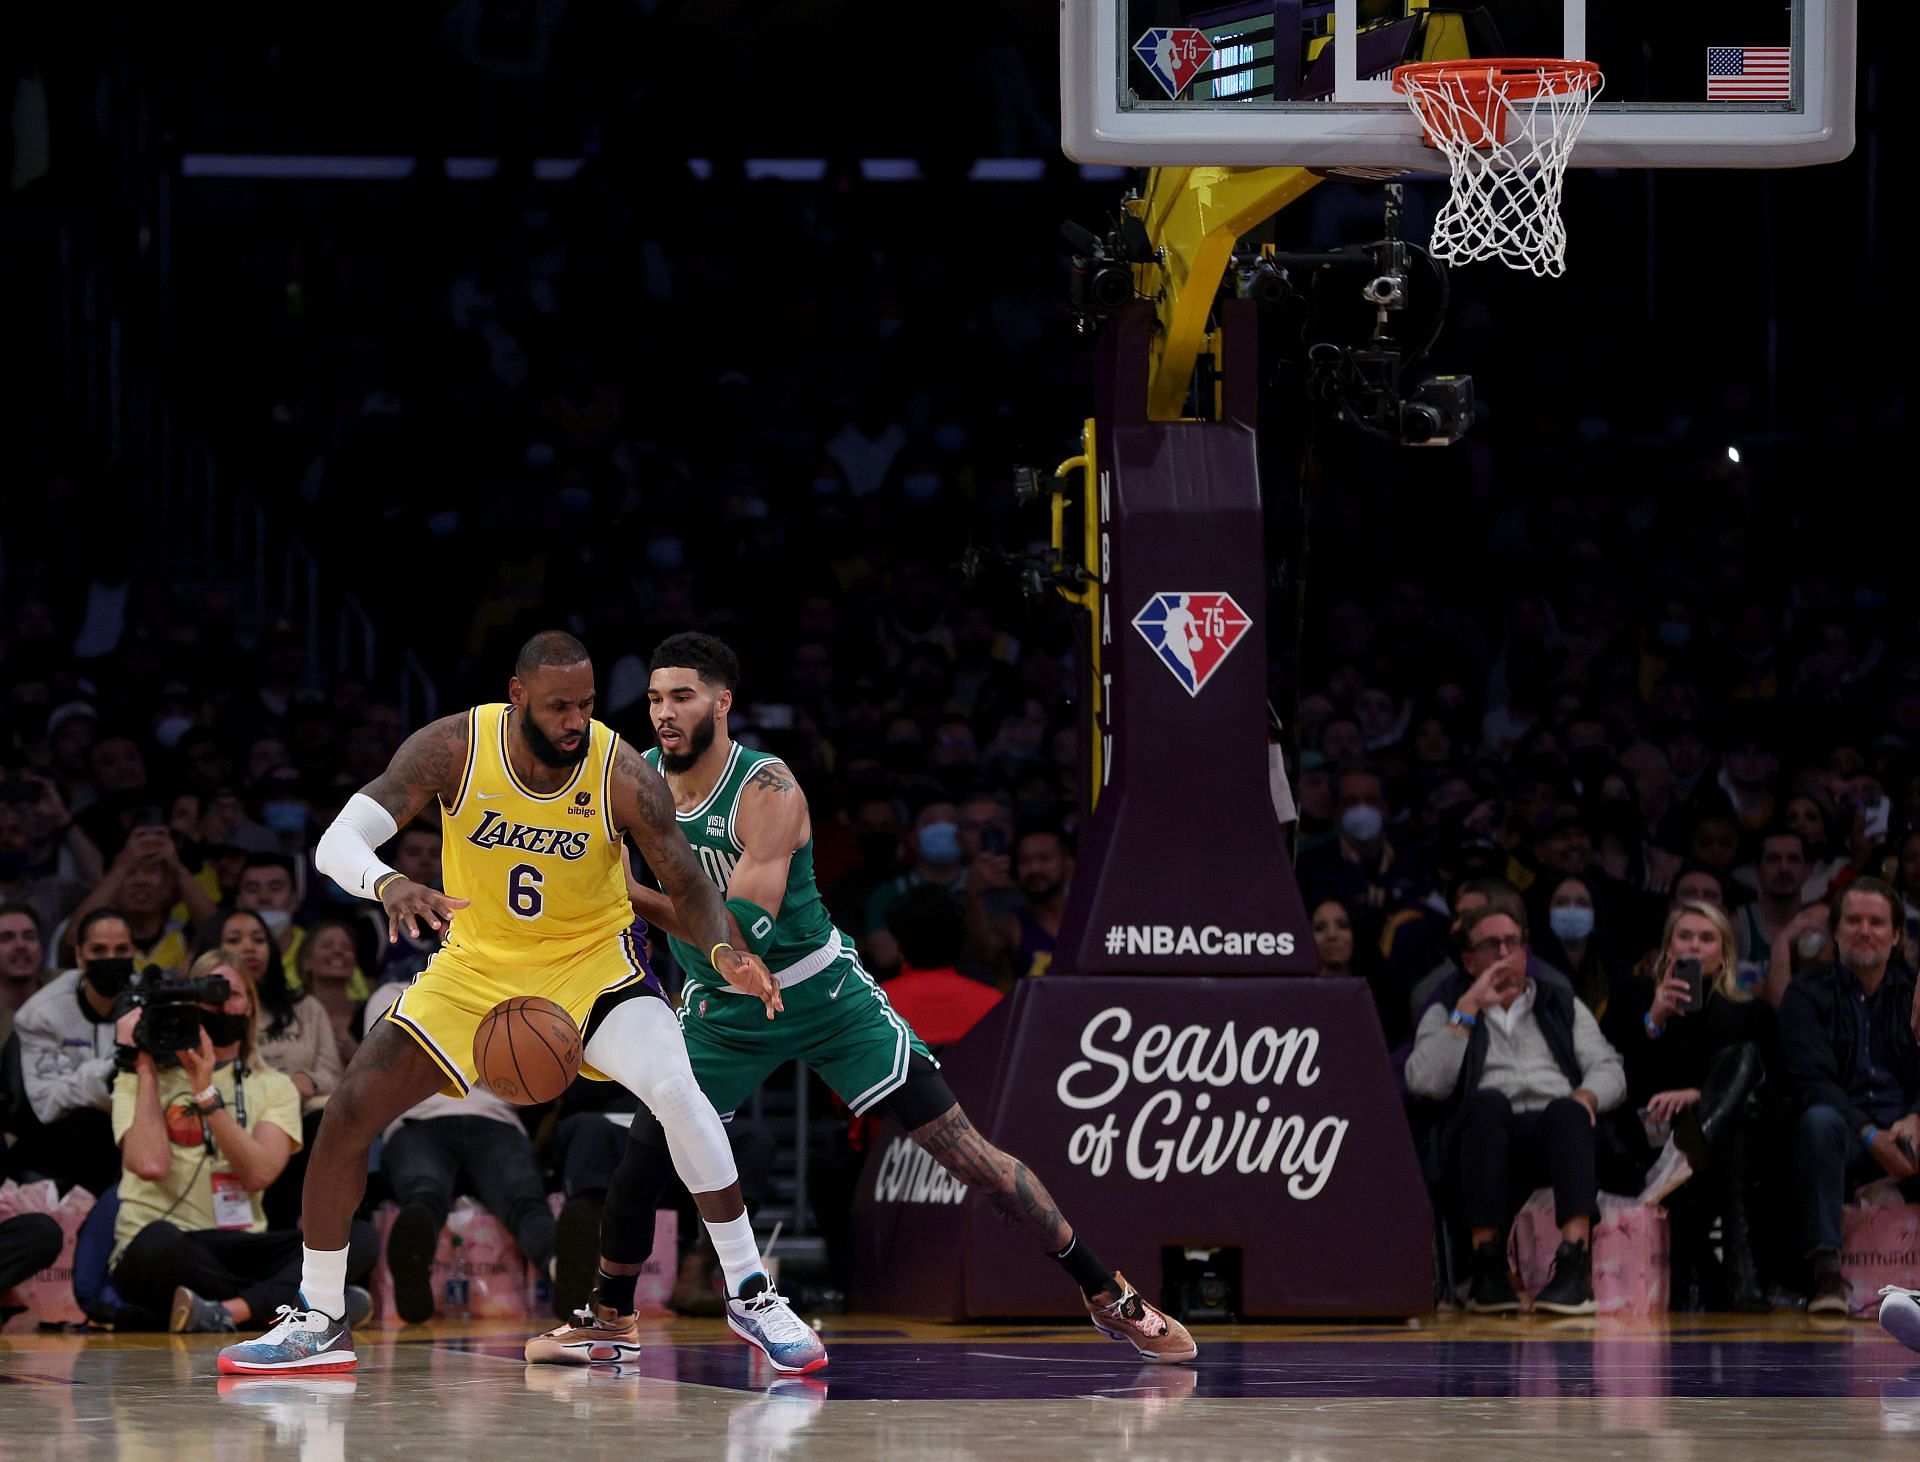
1192,633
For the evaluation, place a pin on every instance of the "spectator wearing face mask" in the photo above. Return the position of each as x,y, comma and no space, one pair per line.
937,863
1568,909
66,1061
267,888
1362,868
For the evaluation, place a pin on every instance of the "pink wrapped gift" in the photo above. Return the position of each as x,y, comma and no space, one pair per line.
655,1280
48,1295
1880,1244
486,1256
1632,1273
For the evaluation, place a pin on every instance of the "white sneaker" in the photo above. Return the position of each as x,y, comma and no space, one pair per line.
767,1321
1900,1315
300,1340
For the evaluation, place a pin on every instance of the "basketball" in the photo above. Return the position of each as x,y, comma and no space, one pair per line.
527,1050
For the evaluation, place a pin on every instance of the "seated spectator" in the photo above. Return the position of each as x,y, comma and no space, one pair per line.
23,961
1525,1074
1780,873
30,868
1333,937
1479,893
331,975
67,1062
1021,944
145,881
1567,908
937,863
268,888
1361,867
201,1142
930,993
1699,1069
293,1035
1855,1066
1811,817
434,1148
415,851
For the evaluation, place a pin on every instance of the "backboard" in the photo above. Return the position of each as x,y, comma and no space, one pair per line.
1711,83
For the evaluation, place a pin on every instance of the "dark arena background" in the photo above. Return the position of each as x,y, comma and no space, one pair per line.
1391,789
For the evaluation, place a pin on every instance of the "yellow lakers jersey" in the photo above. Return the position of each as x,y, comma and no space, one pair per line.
541,872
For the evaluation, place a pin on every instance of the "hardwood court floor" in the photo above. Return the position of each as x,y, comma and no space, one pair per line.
1441,1389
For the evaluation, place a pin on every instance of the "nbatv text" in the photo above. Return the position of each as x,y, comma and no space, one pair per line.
1172,1133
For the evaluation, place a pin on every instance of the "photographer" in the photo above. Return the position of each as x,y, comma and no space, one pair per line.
67,1061
1698,1048
202,1139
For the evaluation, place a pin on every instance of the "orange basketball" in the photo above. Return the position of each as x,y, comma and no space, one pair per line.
527,1050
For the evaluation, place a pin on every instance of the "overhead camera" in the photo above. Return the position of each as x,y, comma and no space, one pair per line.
1102,281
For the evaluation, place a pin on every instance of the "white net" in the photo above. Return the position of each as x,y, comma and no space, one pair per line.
1507,128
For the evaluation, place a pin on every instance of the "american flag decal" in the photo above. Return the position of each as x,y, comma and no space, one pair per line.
1749,73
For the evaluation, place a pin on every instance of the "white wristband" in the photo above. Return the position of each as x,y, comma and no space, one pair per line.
345,851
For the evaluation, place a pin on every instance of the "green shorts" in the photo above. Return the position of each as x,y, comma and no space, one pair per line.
838,1021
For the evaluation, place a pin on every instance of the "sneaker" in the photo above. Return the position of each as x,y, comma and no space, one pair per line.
359,1306
411,1243
599,1335
1156,1335
193,1315
769,1425
1669,1171
759,1316
1900,1315
1570,1291
300,1340
1490,1288
576,1255
696,1288
1829,1293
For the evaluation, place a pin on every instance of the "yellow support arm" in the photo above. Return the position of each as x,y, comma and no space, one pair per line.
1194,216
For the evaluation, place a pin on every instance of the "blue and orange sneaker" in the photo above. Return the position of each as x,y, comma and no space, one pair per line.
300,1340
759,1316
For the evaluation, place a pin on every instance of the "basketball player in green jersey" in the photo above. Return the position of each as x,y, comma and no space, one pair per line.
747,821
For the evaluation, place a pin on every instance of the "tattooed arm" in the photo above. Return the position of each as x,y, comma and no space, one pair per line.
772,826
429,764
1014,1190
643,808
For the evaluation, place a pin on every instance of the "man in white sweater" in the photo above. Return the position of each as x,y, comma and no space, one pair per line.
1525,1073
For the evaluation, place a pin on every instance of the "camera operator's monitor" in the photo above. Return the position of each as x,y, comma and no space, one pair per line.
1710,83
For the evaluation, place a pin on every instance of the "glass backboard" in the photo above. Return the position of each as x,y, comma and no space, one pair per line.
1709,83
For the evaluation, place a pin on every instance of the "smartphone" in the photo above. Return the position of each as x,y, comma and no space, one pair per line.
149,816
18,790
1689,970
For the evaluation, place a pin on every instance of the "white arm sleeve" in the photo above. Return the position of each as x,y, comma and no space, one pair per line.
345,852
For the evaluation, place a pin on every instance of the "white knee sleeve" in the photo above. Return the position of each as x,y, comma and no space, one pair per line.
639,1045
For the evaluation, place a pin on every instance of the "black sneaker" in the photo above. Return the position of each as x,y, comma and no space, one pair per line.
194,1315
410,1245
1570,1291
576,1255
1490,1290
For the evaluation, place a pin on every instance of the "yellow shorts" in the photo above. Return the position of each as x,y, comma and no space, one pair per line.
443,1007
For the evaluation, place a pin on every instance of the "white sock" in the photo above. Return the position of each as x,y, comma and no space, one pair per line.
739,1254
323,1280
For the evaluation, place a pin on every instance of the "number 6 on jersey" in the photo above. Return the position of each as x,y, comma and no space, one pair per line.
523,891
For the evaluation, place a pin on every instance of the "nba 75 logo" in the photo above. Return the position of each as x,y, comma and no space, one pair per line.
1192,633
1174,55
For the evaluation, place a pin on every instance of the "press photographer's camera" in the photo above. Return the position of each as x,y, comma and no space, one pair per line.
170,1011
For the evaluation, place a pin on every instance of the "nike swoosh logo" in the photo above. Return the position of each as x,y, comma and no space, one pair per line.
489,796
834,993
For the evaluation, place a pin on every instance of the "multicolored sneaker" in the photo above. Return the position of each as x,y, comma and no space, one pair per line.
759,1316
599,1335
1900,1315
300,1340
1157,1336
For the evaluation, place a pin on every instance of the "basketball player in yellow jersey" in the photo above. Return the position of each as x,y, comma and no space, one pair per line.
535,797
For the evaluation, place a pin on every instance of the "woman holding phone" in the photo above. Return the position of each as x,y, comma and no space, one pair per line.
1699,1051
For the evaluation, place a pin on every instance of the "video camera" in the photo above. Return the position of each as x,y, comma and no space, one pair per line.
170,1011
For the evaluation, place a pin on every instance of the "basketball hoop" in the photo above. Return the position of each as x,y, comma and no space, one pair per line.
1507,127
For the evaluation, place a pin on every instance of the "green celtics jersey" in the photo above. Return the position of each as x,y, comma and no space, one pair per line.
803,940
